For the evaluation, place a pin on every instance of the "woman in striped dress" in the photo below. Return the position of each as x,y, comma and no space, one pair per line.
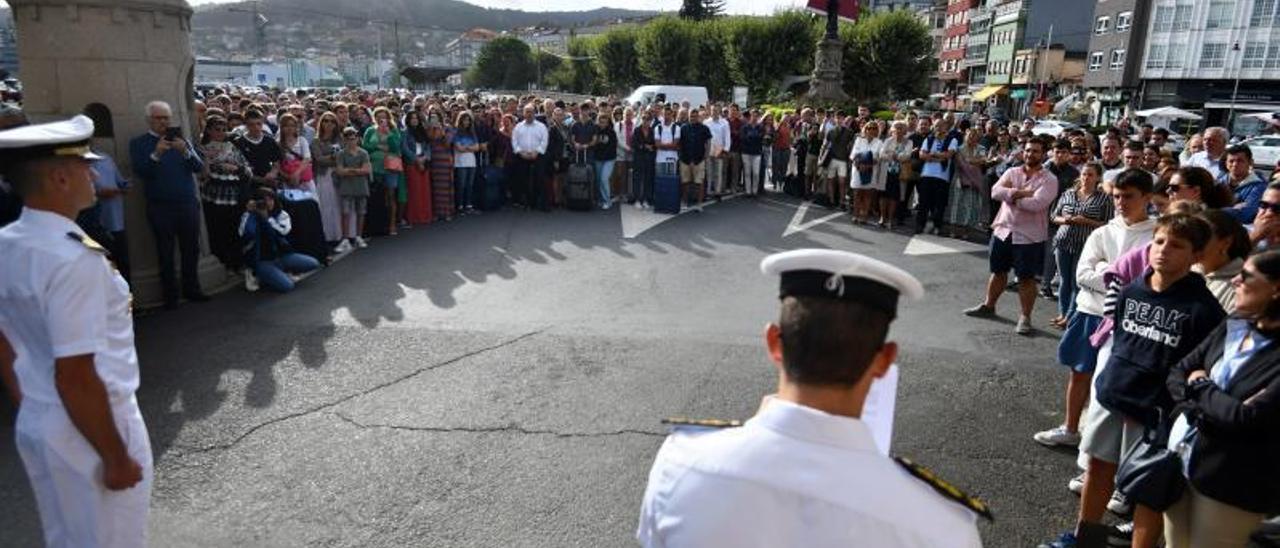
1081,209
442,194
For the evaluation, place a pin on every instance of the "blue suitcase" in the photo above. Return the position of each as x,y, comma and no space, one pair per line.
491,186
666,188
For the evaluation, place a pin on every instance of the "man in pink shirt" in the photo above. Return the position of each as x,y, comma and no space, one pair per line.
1019,232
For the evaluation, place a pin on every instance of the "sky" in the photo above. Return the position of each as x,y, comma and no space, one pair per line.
754,7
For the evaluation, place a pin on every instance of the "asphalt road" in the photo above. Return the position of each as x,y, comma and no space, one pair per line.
499,381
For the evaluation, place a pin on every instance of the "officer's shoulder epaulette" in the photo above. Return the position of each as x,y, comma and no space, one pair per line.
88,242
703,423
944,488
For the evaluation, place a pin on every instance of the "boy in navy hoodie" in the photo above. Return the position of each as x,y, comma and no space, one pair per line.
1159,318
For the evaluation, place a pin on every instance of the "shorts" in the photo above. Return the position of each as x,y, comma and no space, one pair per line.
837,169
1108,436
1026,260
1075,350
357,205
391,179
811,164
692,173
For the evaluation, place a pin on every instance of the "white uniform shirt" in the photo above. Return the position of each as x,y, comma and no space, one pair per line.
58,299
793,476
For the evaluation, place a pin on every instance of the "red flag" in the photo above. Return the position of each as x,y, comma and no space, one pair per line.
848,9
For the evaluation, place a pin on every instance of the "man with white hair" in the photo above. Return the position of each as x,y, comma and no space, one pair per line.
1214,155
166,163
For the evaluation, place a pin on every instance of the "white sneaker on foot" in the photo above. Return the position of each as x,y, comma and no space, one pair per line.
1119,505
1058,435
1076,485
342,247
360,243
1024,326
250,281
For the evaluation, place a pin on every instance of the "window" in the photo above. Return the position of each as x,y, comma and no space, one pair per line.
1124,21
1102,25
1262,11
1156,55
1163,19
1182,17
1273,56
1213,56
1255,55
1117,59
1095,61
1177,56
1220,14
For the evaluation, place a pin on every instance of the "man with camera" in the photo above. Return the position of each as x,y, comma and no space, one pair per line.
166,163
264,229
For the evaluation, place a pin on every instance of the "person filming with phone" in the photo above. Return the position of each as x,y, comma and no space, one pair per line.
264,229
166,164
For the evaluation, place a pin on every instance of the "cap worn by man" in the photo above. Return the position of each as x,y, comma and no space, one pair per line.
806,471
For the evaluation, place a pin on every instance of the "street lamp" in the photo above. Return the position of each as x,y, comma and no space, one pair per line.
1235,90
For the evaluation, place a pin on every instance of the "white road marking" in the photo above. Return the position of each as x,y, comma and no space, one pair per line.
638,221
935,245
796,226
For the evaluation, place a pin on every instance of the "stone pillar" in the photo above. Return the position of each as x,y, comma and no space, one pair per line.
827,85
120,55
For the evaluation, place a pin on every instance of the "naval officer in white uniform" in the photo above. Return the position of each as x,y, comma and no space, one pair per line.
66,348
805,471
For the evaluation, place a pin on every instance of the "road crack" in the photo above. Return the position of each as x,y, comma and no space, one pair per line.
192,450
511,429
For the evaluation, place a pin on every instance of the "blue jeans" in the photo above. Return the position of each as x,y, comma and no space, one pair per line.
1067,291
463,182
274,275
604,171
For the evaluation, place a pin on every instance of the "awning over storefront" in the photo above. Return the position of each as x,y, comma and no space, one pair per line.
986,92
1269,107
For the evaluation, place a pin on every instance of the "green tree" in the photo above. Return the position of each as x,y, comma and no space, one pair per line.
618,60
663,48
504,63
693,9
763,51
712,8
887,55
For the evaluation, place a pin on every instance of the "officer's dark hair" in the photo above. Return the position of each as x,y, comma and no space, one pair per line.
1186,227
1137,179
830,342
26,176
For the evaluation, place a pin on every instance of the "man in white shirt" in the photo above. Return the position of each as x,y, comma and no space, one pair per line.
806,470
666,137
1214,155
720,142
528,146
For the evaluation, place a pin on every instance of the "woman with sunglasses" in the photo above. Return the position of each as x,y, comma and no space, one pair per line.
224,186
1196,184
1227,441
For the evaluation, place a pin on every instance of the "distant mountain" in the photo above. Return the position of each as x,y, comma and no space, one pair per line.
441,14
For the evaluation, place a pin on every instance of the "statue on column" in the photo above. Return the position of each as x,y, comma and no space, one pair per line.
827,84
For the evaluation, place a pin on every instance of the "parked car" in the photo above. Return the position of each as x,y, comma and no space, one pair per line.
645,95
1052,128
1266,151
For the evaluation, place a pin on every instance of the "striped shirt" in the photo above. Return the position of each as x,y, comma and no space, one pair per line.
1097,206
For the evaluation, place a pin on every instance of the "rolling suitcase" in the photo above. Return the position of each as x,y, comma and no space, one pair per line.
666,188
579,189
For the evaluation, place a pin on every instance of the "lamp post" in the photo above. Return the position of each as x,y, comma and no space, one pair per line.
1231,112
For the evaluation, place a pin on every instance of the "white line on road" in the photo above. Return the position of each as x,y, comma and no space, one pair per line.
796,226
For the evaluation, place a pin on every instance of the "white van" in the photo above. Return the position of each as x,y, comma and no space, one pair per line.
646,95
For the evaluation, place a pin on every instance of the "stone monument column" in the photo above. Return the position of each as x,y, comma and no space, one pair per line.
117,56
827,84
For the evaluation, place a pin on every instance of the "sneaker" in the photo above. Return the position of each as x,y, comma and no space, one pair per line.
342,247
250,281
1119,505
1057,435
1066,540
1024,326
1121,535
1047,293
980,311
1076,485
360,243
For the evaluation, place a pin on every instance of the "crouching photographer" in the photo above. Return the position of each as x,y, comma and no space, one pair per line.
1231,383
264,230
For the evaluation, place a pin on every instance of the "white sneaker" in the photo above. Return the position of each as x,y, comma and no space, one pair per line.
1057,435
360,243
1119,505
343,247
250,281
1076,485
639,205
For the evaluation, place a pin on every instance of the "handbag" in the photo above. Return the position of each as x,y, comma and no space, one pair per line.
391,162
1151,474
